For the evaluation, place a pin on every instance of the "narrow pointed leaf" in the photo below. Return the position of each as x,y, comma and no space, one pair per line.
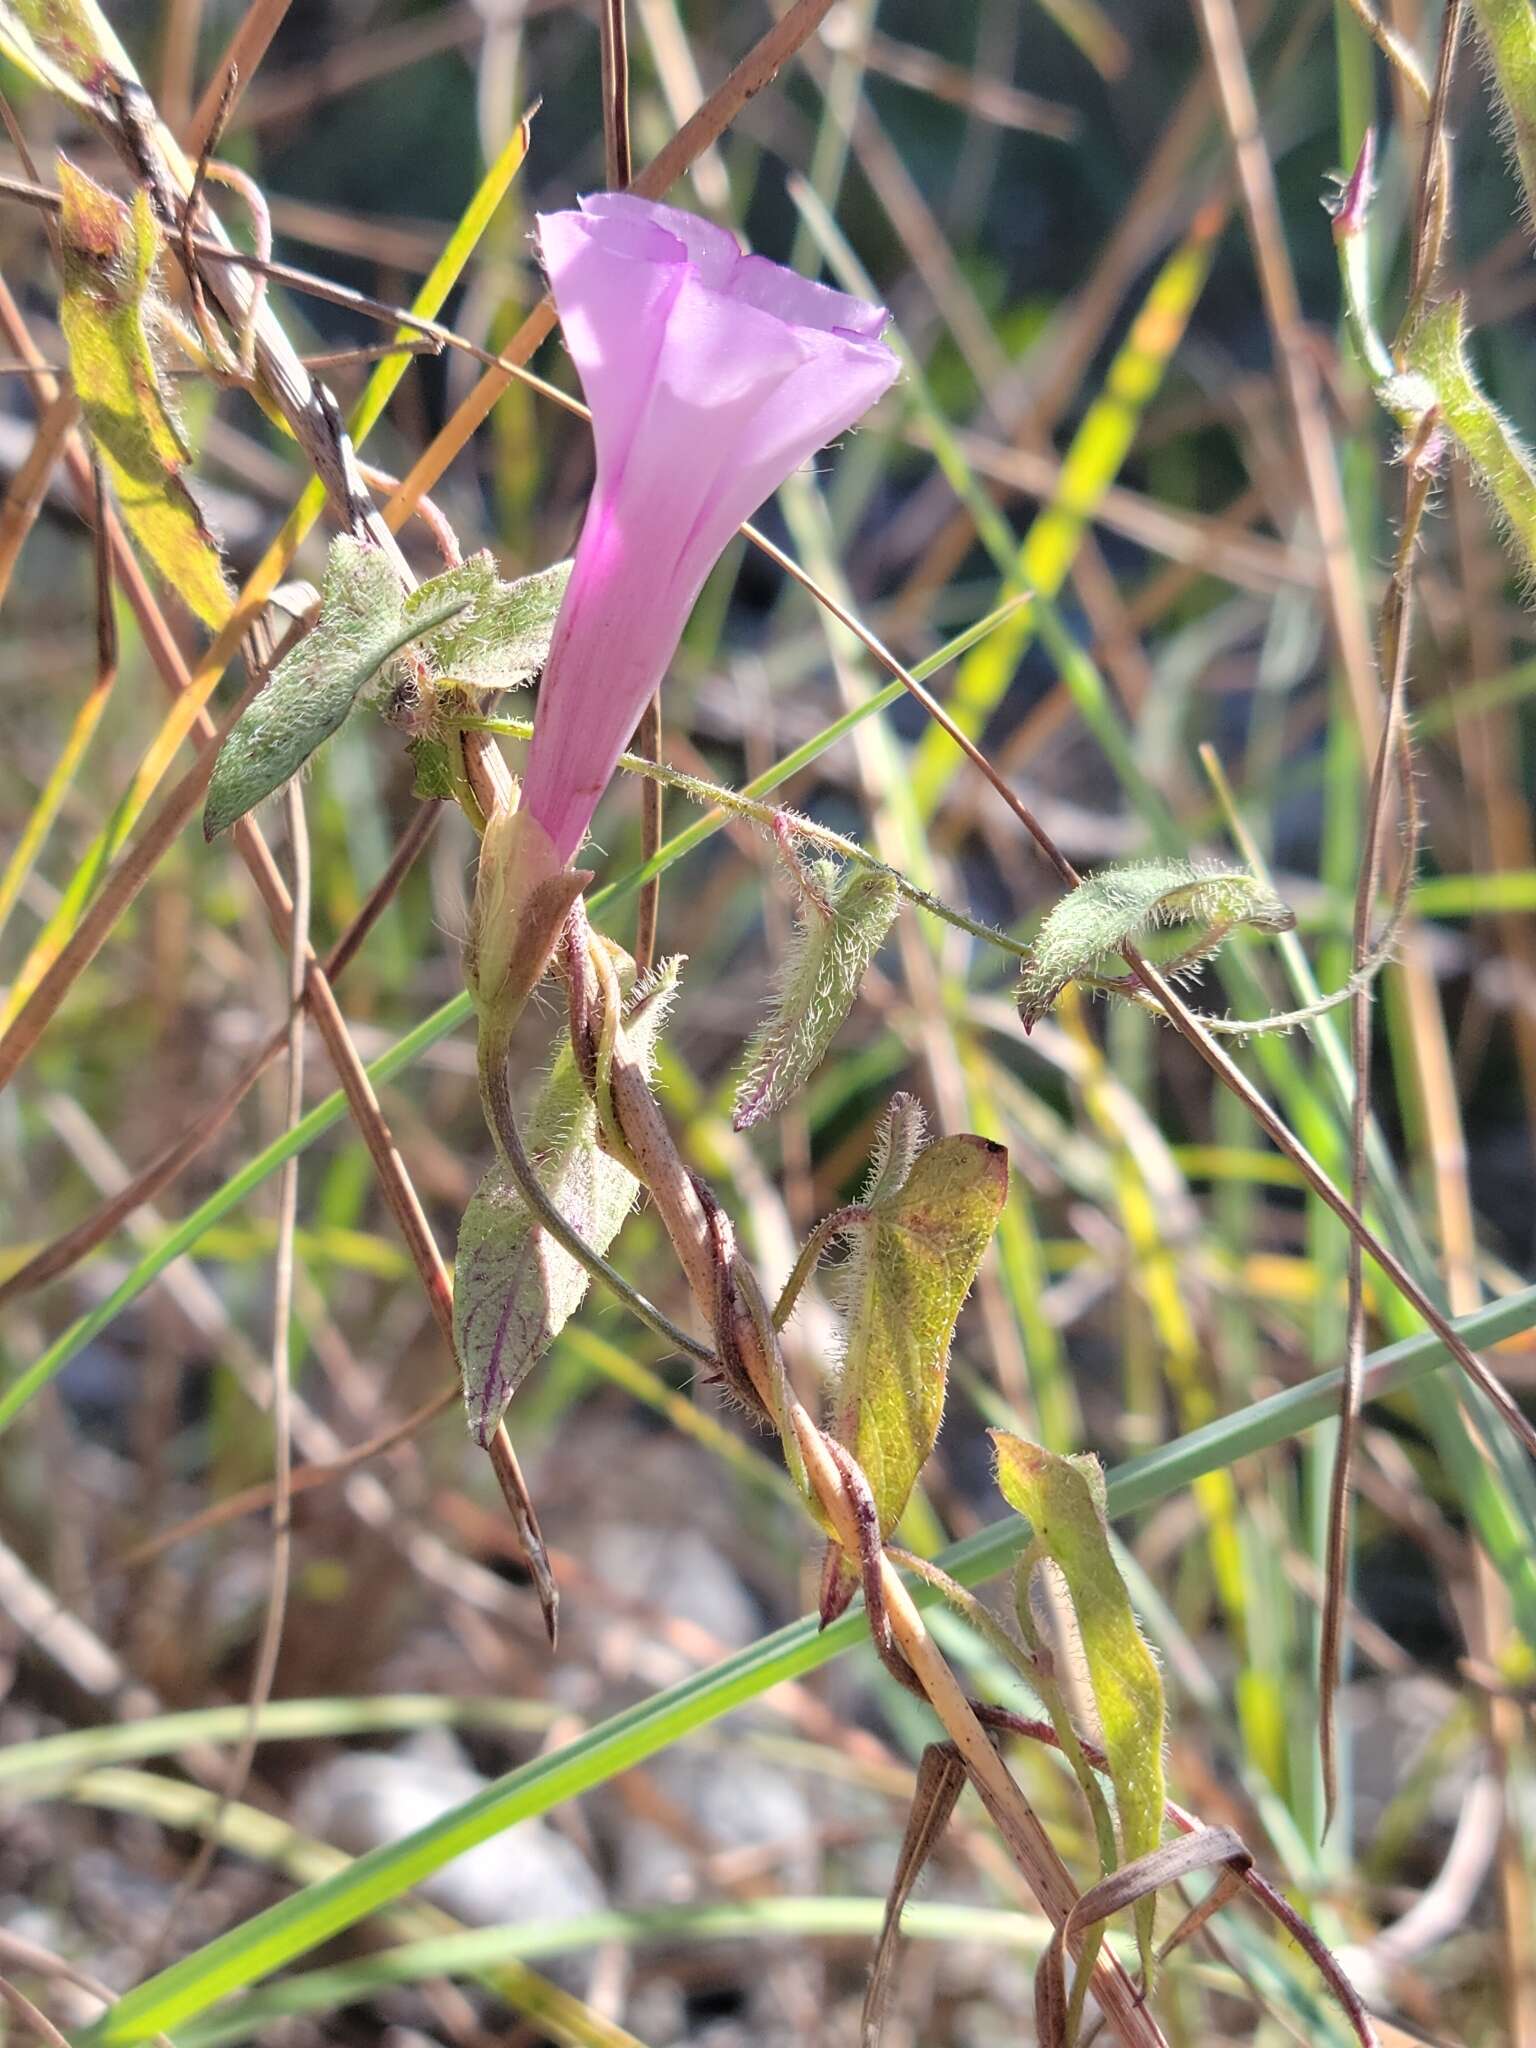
514,1290
107,313
1063,1500
940,1781
842,914
362,623
898,1140
912,1257
1120,905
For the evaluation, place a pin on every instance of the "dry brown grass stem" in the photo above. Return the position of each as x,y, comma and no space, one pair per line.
748,78
1392,757
270,1640
1297,356
75,1244
249,44
723,1289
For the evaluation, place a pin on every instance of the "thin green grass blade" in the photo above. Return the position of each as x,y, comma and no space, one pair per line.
377,393
458,1955
426,1034
29,1769
1092,463
297,1925
186,1234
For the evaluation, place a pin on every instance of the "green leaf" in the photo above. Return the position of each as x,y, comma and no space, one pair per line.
434,771
514,1290
299,1923
107,309
898,1140
843,913
913,1253
1120,905
1508,29
500,639
1431,389
1439,374
1063,1499
309,694
66,45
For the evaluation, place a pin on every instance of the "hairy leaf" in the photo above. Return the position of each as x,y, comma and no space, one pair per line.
514,1290
1508,31
913,1253
1439,374
107,309
309,694
1120,905
66,45
500,640
1063,1500
899,1138
1431,389
841,917
434,771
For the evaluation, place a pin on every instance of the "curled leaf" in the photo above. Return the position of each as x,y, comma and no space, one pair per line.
1137,1884
1119,906
935,1793
842,914
514,1289
107,313
1063,1500
913,1253
310,693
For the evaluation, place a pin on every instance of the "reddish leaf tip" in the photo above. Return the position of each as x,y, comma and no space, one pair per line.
1354,200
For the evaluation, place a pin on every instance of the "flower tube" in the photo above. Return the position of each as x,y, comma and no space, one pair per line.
711,376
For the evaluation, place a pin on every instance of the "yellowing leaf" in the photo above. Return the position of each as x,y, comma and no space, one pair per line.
913,1253
1063,1500
514,1289
66,45
110,251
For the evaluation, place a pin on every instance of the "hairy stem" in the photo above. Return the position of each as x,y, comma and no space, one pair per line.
714,1276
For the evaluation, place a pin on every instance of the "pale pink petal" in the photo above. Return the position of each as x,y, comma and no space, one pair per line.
711,376
786,293
714,250
613,314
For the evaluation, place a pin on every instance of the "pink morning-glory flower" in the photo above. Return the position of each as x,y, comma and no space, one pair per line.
711,375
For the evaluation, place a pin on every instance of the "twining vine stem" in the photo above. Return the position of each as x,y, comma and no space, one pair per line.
728,1297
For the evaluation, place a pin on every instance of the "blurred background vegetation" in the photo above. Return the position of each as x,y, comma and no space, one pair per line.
1044,194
